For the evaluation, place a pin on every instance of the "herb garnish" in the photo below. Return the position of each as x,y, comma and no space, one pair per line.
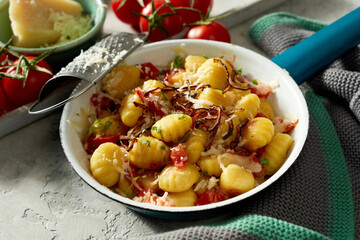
163,96
264,161
177,63
239,72
127,192
147,142
157,129
183,139
98,124
182,117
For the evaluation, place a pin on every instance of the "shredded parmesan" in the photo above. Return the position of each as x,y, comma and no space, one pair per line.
69,27
213,181
199,185
214,150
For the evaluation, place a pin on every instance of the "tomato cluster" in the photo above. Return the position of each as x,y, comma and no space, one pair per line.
167,18
21,80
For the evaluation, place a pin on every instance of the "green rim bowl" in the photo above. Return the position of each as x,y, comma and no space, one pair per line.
65,52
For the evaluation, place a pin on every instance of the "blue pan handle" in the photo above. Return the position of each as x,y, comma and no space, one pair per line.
319,50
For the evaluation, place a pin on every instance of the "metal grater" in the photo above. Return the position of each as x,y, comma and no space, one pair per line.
91,66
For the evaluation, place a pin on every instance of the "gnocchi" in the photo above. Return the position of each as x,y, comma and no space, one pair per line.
196,135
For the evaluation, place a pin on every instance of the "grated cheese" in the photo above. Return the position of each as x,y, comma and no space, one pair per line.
213,181
69,27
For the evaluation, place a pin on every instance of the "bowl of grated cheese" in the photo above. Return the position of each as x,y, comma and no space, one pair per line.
65,27
178,113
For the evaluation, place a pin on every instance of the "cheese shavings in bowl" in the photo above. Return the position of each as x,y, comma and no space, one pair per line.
69,27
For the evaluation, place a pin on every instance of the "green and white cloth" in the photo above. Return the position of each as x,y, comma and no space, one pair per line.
319,196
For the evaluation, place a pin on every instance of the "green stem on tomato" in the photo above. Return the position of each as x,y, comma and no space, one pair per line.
155,18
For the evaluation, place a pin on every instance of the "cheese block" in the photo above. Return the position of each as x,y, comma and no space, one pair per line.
30,20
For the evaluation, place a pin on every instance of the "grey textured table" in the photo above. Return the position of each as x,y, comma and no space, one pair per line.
41,197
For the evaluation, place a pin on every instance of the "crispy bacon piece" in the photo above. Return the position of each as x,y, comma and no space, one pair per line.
230,130
203,117
235,142
230,79
149,105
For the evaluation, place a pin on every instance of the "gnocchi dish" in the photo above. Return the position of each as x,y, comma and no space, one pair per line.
196,132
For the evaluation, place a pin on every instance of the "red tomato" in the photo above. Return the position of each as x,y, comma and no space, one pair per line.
20,95
262,173
2,102
261,89
190,16
3,62
178,156
213,195
93,142
213,31
5,104
149,71
173,24
126,12
291,126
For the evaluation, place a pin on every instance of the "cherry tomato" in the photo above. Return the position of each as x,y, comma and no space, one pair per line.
149,71
20,95
178,156
190,16
213,195
212,31
3,62
93,142
2,102
173,24
5,104
125,13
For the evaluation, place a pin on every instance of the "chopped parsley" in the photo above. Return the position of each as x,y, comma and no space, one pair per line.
147,142
162,147
255,82
177,63
163,96
157,129
182,117
93,115
128,192
106,126
204,56
239,72
201,128
98,124
183,139
264,161
162,72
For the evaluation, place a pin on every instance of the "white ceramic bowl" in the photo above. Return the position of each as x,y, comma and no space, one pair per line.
289,101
